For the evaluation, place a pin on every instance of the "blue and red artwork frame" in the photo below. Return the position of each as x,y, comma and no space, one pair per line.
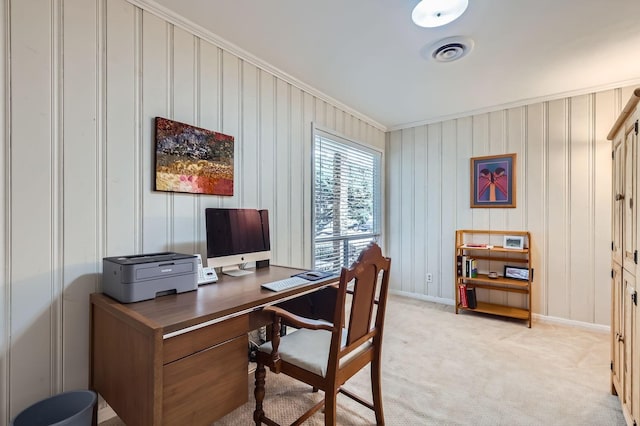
493,181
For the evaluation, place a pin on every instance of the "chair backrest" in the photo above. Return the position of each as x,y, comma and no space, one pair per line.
368,281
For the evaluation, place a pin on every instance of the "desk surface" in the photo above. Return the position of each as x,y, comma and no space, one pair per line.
228,296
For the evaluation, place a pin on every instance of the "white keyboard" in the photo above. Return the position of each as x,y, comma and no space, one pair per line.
285,284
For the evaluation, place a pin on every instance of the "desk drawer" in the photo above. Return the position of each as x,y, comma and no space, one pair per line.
201,388
194,341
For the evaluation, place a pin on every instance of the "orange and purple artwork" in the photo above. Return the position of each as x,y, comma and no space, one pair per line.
493,181
191,159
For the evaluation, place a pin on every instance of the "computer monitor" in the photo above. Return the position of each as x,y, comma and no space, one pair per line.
236,237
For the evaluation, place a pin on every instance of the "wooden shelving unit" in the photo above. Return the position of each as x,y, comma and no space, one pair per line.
487,249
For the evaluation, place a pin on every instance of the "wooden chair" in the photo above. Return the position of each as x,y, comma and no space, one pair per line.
325,355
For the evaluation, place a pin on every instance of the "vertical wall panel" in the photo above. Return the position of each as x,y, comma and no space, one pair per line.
448,208
80,177
481,147
355,127
559,209
321,116
513,140
535,182
393,214
209,96
407,191
31,195
283,173
432,209
339,125
581,219
155,103
183,87
297,169
601,178
267,142
183,83
497,142
464,150
307,143
248,137
5,217
420,206
231,121
120,128
209,112
347,129
481,217
330,118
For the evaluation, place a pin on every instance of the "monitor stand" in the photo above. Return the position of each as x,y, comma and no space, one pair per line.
235,271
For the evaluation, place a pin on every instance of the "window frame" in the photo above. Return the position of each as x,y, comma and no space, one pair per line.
378,187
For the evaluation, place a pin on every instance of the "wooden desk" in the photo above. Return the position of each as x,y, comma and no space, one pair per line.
182,359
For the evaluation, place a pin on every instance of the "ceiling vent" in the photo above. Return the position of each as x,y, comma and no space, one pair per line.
448,49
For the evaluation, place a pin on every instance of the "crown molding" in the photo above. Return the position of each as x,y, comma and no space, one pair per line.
515,104
199,31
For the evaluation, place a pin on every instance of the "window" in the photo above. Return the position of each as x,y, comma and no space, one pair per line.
346,200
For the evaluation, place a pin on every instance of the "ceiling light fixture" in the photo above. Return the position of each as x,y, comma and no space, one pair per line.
435,13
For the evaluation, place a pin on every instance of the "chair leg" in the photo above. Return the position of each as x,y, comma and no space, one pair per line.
376,387
330,408
258,392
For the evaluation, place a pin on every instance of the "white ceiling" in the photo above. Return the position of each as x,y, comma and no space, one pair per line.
366,53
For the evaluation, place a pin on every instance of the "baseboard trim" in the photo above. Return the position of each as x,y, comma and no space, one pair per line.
535,317
571,323
424,297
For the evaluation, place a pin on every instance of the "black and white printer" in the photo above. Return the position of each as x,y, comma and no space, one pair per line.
141,277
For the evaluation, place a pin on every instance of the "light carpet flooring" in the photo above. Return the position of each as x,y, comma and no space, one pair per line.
468,369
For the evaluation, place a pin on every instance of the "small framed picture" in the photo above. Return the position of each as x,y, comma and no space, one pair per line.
513,242
493,181
516,273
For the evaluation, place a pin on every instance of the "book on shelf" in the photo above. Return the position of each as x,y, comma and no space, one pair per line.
471,297
462,289
470,267
459,265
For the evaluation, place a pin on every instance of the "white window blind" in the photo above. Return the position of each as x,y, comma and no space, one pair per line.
346,198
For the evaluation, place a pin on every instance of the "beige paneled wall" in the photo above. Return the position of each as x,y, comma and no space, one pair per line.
5,215
563,193
87,78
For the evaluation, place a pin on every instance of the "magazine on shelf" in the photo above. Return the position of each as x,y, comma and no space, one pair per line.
480,246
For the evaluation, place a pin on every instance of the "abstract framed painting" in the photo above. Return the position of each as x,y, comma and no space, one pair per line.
493,181
192,159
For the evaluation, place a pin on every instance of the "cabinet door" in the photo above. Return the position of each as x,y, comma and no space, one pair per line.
628,332
629,242
635,364
617,183
205,386
617,322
